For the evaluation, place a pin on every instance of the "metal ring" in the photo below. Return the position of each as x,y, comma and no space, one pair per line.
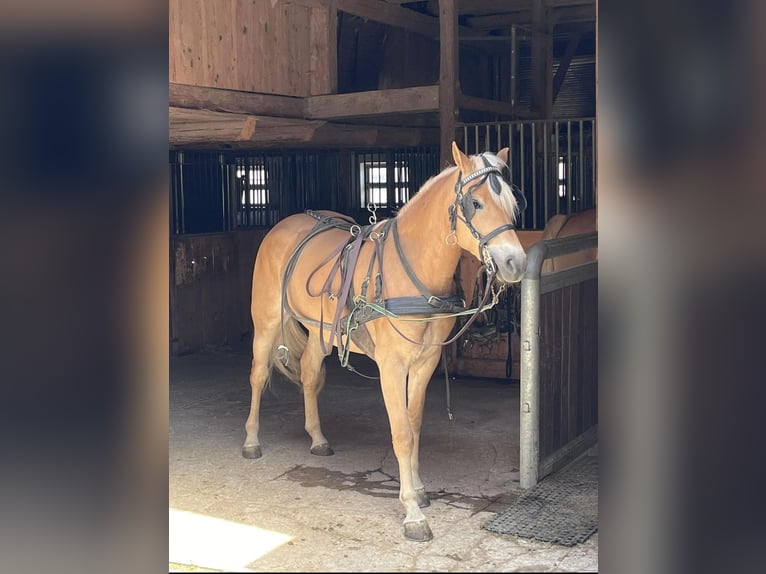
355,230
283,354
451,239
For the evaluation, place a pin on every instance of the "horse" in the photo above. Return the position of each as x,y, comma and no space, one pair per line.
321,281
563,225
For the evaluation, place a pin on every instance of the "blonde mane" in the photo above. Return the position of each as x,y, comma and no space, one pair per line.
505,200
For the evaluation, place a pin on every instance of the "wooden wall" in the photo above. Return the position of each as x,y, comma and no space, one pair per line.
250,45
211,277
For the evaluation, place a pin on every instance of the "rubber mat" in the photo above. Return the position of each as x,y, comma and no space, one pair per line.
563,508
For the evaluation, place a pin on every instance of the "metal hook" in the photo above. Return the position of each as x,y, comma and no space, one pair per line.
373,218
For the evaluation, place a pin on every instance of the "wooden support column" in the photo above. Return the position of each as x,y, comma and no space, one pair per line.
449,79
542,60
324,49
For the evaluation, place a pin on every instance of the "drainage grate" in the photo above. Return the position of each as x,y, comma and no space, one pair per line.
562,509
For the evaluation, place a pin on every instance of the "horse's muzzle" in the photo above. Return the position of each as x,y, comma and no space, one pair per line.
511,262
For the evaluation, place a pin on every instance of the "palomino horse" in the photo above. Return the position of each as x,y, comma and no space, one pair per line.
390,276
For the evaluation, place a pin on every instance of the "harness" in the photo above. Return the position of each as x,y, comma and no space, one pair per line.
354,310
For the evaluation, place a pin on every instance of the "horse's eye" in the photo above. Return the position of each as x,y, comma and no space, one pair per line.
476,204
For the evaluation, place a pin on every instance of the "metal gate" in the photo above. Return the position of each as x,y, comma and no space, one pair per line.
559,359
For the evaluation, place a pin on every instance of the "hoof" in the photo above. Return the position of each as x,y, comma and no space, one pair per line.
322,450
252,451
418,531
422,498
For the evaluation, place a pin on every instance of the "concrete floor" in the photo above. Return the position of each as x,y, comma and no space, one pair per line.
292,511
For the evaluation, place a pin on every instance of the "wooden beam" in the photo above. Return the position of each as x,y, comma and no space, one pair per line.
502,6
585,13
379,11
564,61
373,103
217,99
393,15
491,106
449,79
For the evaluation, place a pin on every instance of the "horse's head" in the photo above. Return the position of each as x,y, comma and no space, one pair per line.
484,213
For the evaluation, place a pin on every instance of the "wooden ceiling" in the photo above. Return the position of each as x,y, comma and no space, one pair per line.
201,116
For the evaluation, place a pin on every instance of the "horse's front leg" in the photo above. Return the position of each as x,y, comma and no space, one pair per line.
419,376
393,382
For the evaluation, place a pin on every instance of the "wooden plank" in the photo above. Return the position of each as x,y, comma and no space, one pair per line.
483,368
221,100
377,102
449,78
323,68
239,45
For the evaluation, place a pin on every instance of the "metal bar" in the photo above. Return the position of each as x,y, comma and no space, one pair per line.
581,190
224,212
569,167
534,175
514,67
475,137
498,138
547,166
511,150
486,140
593,161
558,197
181,189
521,162
566,277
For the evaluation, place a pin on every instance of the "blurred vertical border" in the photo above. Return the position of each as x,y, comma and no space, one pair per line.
83,286
682,252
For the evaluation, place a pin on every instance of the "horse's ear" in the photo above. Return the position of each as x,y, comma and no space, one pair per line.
503,155
461,160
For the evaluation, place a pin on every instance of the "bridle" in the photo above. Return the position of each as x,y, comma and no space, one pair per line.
490,173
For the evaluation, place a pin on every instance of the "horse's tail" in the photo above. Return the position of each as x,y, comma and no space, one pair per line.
287,355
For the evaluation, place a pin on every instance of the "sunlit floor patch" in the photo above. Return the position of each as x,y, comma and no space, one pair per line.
214,543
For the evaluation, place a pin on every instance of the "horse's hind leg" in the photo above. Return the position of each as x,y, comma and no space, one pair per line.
263,343
312,380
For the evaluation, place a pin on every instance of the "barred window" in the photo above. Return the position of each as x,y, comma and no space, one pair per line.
252,189
384,183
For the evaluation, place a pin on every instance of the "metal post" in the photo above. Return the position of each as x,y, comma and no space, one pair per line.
182,227
529,403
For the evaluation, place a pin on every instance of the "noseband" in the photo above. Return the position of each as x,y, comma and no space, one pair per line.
465,201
